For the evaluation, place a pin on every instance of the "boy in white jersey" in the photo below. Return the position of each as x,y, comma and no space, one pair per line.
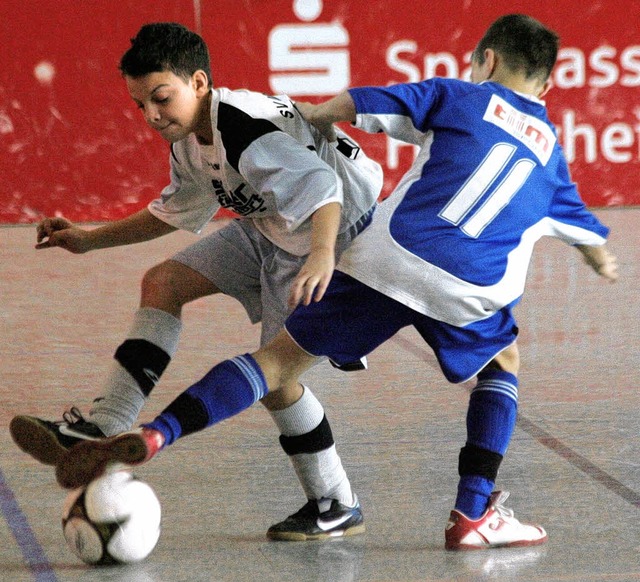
302,200
447,253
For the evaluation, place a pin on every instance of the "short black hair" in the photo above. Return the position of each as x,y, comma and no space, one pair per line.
166,46
524,43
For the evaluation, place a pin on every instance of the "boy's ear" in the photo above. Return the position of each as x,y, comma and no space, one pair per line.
490,61
545,88
200,82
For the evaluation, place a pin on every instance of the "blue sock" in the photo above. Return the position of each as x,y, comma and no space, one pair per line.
491,418
227,389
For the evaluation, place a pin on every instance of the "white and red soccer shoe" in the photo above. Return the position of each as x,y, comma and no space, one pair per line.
497,528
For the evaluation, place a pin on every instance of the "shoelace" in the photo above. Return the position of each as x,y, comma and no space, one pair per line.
503,512
72,416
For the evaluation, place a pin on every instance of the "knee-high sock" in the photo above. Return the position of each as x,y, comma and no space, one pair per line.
307,438
491,418
227,389
140,361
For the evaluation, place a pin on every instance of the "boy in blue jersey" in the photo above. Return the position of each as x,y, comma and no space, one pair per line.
447,252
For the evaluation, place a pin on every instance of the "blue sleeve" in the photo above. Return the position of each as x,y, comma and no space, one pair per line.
569,208
401,111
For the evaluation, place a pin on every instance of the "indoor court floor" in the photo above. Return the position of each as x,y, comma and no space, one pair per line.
573,465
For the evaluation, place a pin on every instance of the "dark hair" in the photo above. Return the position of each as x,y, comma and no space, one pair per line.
524,43
166,46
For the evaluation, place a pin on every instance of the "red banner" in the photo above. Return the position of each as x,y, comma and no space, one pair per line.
72,143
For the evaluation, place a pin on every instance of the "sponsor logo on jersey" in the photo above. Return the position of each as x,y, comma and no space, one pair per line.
529,130
237,200
347,148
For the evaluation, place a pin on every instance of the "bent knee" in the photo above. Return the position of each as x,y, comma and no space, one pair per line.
283,361
507,360
161,279
171,283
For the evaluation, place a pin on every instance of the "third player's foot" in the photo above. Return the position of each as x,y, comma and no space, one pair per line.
87,460
314,522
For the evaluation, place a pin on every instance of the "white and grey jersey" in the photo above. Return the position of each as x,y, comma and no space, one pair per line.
268,165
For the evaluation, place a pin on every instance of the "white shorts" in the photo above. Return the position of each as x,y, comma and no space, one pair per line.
244,264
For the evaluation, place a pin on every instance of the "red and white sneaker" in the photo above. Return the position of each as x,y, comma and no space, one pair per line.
87,460
497,528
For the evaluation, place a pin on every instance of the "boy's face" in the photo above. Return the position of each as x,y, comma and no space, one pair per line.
170,105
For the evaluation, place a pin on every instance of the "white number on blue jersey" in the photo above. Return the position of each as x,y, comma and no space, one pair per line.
480,182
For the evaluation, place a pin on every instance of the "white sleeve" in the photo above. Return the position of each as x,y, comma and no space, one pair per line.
298,179
185,203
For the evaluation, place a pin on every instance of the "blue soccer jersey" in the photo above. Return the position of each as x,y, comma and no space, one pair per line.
455,238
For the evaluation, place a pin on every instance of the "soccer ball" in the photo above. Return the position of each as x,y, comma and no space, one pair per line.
115,519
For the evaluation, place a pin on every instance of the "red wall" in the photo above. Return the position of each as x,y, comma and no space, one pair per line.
73,143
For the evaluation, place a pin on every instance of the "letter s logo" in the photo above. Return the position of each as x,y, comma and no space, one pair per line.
315,56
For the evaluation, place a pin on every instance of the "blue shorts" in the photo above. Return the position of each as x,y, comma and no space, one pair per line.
352,320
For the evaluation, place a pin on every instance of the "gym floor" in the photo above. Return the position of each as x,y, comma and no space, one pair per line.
573,465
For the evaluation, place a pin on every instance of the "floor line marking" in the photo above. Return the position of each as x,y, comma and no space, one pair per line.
550,442
30,548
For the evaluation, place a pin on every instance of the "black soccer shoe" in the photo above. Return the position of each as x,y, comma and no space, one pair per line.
309,523
47,441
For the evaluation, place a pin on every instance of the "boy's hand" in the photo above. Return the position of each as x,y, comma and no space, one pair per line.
601,261
608,268
60,232
313,279
308,111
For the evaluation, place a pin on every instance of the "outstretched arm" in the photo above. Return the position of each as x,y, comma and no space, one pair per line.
139,227
600,260
323,116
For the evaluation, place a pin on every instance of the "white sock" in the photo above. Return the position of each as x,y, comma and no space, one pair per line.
119,407
321,474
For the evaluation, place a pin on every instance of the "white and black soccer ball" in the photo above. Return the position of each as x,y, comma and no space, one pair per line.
115,519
